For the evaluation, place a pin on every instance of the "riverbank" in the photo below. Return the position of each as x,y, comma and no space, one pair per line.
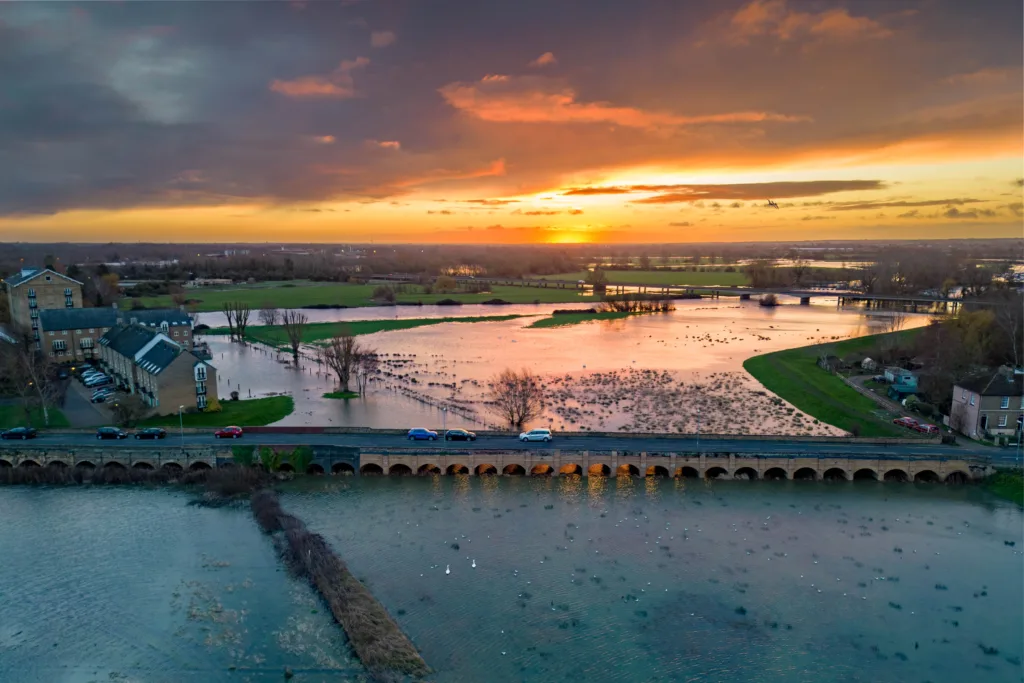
300,294
13,415
794,376
275,335
565,319
253,412
1008,484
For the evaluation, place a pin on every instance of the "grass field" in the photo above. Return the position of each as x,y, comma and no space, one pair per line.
794,376
1007,484
565,319
299,293
341,394
13,415
274,335
661,277
250,413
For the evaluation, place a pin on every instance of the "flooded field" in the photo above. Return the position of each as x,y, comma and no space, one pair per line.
659,372
547,580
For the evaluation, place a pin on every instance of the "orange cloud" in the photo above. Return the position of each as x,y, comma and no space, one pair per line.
385,144
505,99
382,38
739,191
546,59
338,84
774,18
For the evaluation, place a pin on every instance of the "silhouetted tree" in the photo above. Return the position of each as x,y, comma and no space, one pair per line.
516,397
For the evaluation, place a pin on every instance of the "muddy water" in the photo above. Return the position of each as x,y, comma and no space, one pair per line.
595,580
700,343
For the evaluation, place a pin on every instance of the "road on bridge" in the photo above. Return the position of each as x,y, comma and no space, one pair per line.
766,446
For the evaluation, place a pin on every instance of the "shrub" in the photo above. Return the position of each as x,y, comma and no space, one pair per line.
301,458
213,406
234,395
244,455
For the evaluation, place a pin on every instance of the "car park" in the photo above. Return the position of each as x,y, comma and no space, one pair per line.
20,433
536,435
111,433
228,433
421,434
459,435
151,433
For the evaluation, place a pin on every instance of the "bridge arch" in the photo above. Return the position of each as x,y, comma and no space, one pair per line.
57,465
657,471
199,466
570,468
457,468
865,474
748,473
171,467
716,473
805,474
927,476
598,470
142,465
113,465
315,469
957,477
514,470
895,475
834,474
428,469
28,463
371,469
775,474
399,470
688,473
484,469
5,463
541,470
285,467
343,468
627,471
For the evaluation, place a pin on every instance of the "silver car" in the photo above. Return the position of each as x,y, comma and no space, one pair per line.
536,435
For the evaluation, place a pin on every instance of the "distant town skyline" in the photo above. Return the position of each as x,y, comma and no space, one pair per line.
520,123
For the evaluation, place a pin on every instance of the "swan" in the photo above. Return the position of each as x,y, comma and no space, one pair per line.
474,564
447,569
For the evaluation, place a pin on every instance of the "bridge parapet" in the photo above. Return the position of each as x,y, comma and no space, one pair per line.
30,455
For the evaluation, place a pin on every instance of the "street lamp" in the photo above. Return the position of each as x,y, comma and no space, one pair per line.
444,419
181,426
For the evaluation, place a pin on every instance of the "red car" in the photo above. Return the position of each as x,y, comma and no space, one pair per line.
908,422
926,428
228,433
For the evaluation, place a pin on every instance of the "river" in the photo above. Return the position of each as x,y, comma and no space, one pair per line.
607,375
576,579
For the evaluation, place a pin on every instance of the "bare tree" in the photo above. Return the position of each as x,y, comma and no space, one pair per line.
340,355
268,314
229,314
128,410
294,324
516,397
893,323
800,270
237,314
367,366
28,375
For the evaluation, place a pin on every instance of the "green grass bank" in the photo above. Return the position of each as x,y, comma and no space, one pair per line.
566,319
254,412
794,376
1008,484
13,415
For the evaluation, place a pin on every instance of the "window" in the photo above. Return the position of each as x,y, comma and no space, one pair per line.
60,345
31,293
972,399
164,328
175,333
86,343
92,330
48,278
51,333
67,291
1002,420
64,332
34,314
32,303
1005,403
200,388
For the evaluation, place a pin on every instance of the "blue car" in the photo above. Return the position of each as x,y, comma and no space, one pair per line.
420,434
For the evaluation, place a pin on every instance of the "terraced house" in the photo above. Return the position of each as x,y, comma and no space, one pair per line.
988,405
73,334
164,373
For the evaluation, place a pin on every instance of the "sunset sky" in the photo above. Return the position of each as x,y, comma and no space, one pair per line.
510,121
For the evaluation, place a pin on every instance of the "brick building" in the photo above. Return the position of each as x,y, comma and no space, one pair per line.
988,404
37,289
72,335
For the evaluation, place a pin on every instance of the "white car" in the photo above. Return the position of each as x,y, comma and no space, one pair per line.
536,435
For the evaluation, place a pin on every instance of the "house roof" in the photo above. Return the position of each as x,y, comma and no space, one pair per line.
128,340
27,274
994,384
157,358
76,318
152,317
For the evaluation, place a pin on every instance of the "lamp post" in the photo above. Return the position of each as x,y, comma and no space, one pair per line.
181,426
444,419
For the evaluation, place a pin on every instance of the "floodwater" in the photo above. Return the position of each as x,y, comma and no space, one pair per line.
702,345
576,579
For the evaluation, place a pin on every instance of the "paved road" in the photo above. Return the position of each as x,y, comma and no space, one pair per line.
593,443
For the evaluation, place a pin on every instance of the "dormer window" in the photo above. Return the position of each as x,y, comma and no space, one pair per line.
164,327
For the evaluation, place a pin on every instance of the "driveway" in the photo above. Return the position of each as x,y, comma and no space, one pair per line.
80,411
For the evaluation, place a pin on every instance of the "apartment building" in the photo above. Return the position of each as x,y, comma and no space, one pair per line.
37,289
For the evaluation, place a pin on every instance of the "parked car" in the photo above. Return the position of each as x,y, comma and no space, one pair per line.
228,433
420,434
20,433
926,428
98,382
102,396
459,435
88,374
878,378
111,433
536,435
908,422
151,433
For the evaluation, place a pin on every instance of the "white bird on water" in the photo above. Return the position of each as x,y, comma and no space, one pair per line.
447,569
474,564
